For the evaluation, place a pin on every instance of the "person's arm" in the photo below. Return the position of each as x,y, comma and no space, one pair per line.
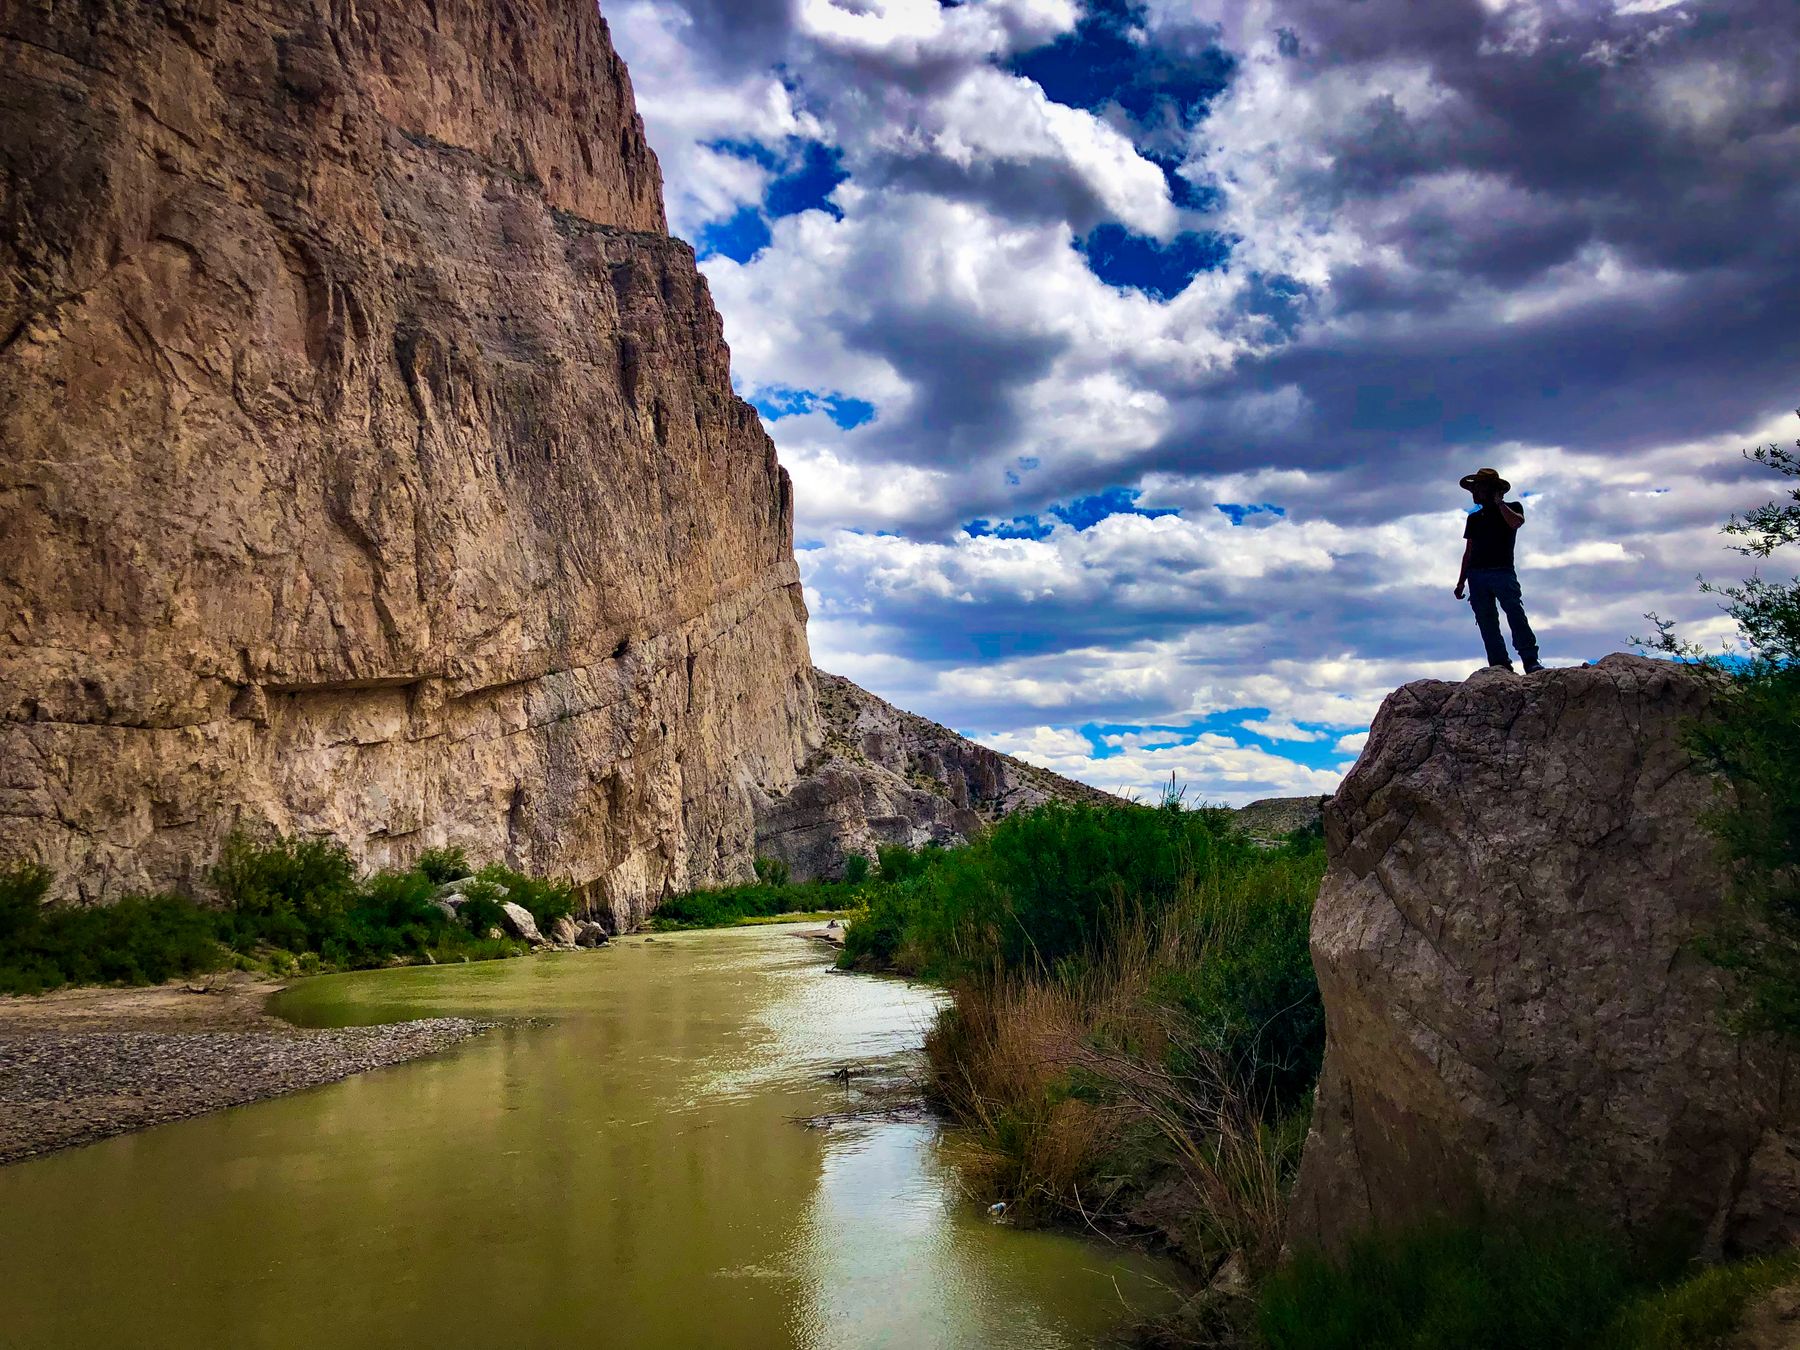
1514,516
1462,576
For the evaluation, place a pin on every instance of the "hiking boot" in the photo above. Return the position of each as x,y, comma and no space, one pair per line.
1507,666
1533,667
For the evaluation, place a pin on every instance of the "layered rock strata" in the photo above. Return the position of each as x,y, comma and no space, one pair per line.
1515,1013
371,466
884,776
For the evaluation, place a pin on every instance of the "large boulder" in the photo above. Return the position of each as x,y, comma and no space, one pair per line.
520,924
1515,1013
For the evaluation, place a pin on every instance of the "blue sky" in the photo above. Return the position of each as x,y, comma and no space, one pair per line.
1125,355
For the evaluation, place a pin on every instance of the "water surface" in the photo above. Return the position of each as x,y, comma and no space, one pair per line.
618,1165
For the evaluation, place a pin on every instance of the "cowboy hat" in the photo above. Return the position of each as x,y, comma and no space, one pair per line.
1485,478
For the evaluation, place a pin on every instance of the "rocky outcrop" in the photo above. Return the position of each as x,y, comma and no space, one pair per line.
883,776
1514,1011
371,465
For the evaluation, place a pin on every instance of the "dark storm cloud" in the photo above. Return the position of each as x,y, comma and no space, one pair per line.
967,374
1040,190
1665,143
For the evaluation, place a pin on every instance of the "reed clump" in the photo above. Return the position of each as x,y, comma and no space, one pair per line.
1135,1029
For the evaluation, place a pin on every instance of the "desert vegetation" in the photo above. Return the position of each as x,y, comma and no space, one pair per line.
283,906
1132,1049
1136,1028
1752,743
1506,1283
770,896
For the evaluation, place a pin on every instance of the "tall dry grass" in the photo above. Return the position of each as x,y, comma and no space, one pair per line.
1086,1086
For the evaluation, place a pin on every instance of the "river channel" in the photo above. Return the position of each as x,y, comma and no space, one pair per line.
621,1163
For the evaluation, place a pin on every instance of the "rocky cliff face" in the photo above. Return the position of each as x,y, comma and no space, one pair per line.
1514,1011
371,465
883,776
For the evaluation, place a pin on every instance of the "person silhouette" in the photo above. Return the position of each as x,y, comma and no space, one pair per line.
1487,573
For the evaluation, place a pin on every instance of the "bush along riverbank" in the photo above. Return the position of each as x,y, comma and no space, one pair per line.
1132,1048
293,906
771,896
1135,1029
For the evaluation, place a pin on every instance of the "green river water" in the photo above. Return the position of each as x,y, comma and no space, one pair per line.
618,1165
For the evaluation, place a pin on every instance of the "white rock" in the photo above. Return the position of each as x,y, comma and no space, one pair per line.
518,919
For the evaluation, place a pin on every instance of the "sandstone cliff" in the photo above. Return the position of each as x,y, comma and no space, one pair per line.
370,464
883,776
1514,1012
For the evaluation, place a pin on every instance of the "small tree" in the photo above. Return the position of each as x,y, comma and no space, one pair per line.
1753,744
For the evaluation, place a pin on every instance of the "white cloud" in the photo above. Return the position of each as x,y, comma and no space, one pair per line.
1209,768
1281,729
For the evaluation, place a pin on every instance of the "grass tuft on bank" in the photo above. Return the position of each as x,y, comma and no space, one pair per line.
1506,1283
289,905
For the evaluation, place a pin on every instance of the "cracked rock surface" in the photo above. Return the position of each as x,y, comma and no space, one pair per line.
371,462
1514,1011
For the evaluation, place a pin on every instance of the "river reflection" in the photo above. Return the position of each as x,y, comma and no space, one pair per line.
624,1170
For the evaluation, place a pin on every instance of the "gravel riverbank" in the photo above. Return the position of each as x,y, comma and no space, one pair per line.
85,1064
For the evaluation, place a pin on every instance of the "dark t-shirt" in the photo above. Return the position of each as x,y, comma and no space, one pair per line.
1492,538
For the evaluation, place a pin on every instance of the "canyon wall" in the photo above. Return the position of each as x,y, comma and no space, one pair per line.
1515,1011
371,466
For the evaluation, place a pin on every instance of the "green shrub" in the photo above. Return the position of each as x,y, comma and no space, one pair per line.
727,905
291,904
442,864
1134,1001
1752,742
1489,1286
1055,885
771,872
291,893
897,862
23,887
1702,1310
138,940
874,938
547,900
856,869
1506,1283
392,916
480,911
1250,1000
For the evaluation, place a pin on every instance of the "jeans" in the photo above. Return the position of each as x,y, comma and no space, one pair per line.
1491,587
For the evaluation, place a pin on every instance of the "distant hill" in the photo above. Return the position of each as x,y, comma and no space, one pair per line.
1273,818
886,776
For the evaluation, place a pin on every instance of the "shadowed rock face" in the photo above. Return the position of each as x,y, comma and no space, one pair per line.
371,463
1514,1014
883,776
